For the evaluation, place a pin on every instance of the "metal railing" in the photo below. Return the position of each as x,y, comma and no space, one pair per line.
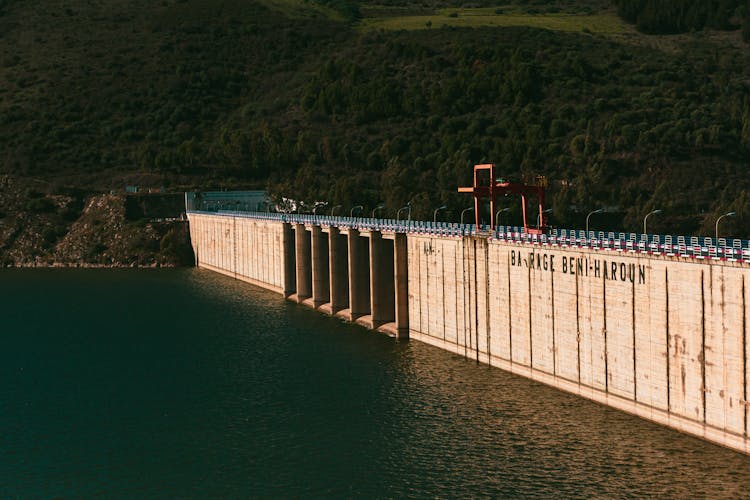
359,223
734,250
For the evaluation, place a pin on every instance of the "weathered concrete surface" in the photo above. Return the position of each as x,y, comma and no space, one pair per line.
247,249
321,287
382,291
289,269
663,338
303,253
401,271
338,265
359,275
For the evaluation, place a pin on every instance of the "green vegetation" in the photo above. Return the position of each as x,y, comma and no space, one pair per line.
488,17
336,10
511,6
679,16
358,103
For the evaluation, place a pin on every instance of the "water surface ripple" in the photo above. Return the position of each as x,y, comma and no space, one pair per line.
183,383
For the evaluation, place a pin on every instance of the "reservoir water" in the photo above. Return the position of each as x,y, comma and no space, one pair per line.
184,383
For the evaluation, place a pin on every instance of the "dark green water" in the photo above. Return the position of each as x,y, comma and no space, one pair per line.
183,383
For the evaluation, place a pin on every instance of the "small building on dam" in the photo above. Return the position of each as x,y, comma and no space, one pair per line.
654,326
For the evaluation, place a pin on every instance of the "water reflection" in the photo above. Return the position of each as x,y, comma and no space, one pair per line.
187,383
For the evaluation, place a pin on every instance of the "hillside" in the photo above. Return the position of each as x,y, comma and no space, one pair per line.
44,225
362,102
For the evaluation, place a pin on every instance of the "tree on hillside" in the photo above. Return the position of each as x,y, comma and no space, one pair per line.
679,16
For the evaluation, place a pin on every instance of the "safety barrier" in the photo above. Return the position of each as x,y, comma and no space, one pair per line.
734,250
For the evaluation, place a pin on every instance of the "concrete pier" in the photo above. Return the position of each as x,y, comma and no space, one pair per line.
661,337
304,263
289,260
359,275
321,291
382,305
338,265
401,275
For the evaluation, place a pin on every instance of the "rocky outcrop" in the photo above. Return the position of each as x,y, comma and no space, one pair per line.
71,228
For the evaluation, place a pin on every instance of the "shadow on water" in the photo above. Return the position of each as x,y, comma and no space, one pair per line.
186,383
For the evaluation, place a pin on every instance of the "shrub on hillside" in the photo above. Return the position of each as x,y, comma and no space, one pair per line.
40,205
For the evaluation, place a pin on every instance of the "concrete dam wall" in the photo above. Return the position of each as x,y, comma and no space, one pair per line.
661,337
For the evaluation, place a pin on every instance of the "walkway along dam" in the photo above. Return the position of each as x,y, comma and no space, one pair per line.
653,327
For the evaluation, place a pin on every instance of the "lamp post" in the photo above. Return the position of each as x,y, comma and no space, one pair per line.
729,214
372,215
434,214
463,212
407,208
334,209
497,214
652,212
597,211
539,216
358,207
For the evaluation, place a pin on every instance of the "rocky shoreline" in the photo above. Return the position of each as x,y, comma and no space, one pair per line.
43,226
88,265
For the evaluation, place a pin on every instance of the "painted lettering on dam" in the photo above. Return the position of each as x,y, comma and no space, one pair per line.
580,266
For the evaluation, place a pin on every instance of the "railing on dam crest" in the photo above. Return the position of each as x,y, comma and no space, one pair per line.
734,250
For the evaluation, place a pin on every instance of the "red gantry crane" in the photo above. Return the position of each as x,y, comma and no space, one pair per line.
500,187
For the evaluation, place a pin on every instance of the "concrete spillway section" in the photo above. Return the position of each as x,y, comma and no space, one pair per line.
303,259
289,262
359,275
250,250
321,288
382,291
661,337
338,268
401,284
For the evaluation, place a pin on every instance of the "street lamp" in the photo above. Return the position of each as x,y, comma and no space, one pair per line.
497,215
598,211
652,212
539,216
408,208
372,215
463,212
434,214
729,214
334,209
358,207
317,206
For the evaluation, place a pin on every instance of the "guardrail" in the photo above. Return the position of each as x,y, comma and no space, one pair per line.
734,250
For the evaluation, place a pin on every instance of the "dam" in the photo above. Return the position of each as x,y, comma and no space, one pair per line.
655,326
